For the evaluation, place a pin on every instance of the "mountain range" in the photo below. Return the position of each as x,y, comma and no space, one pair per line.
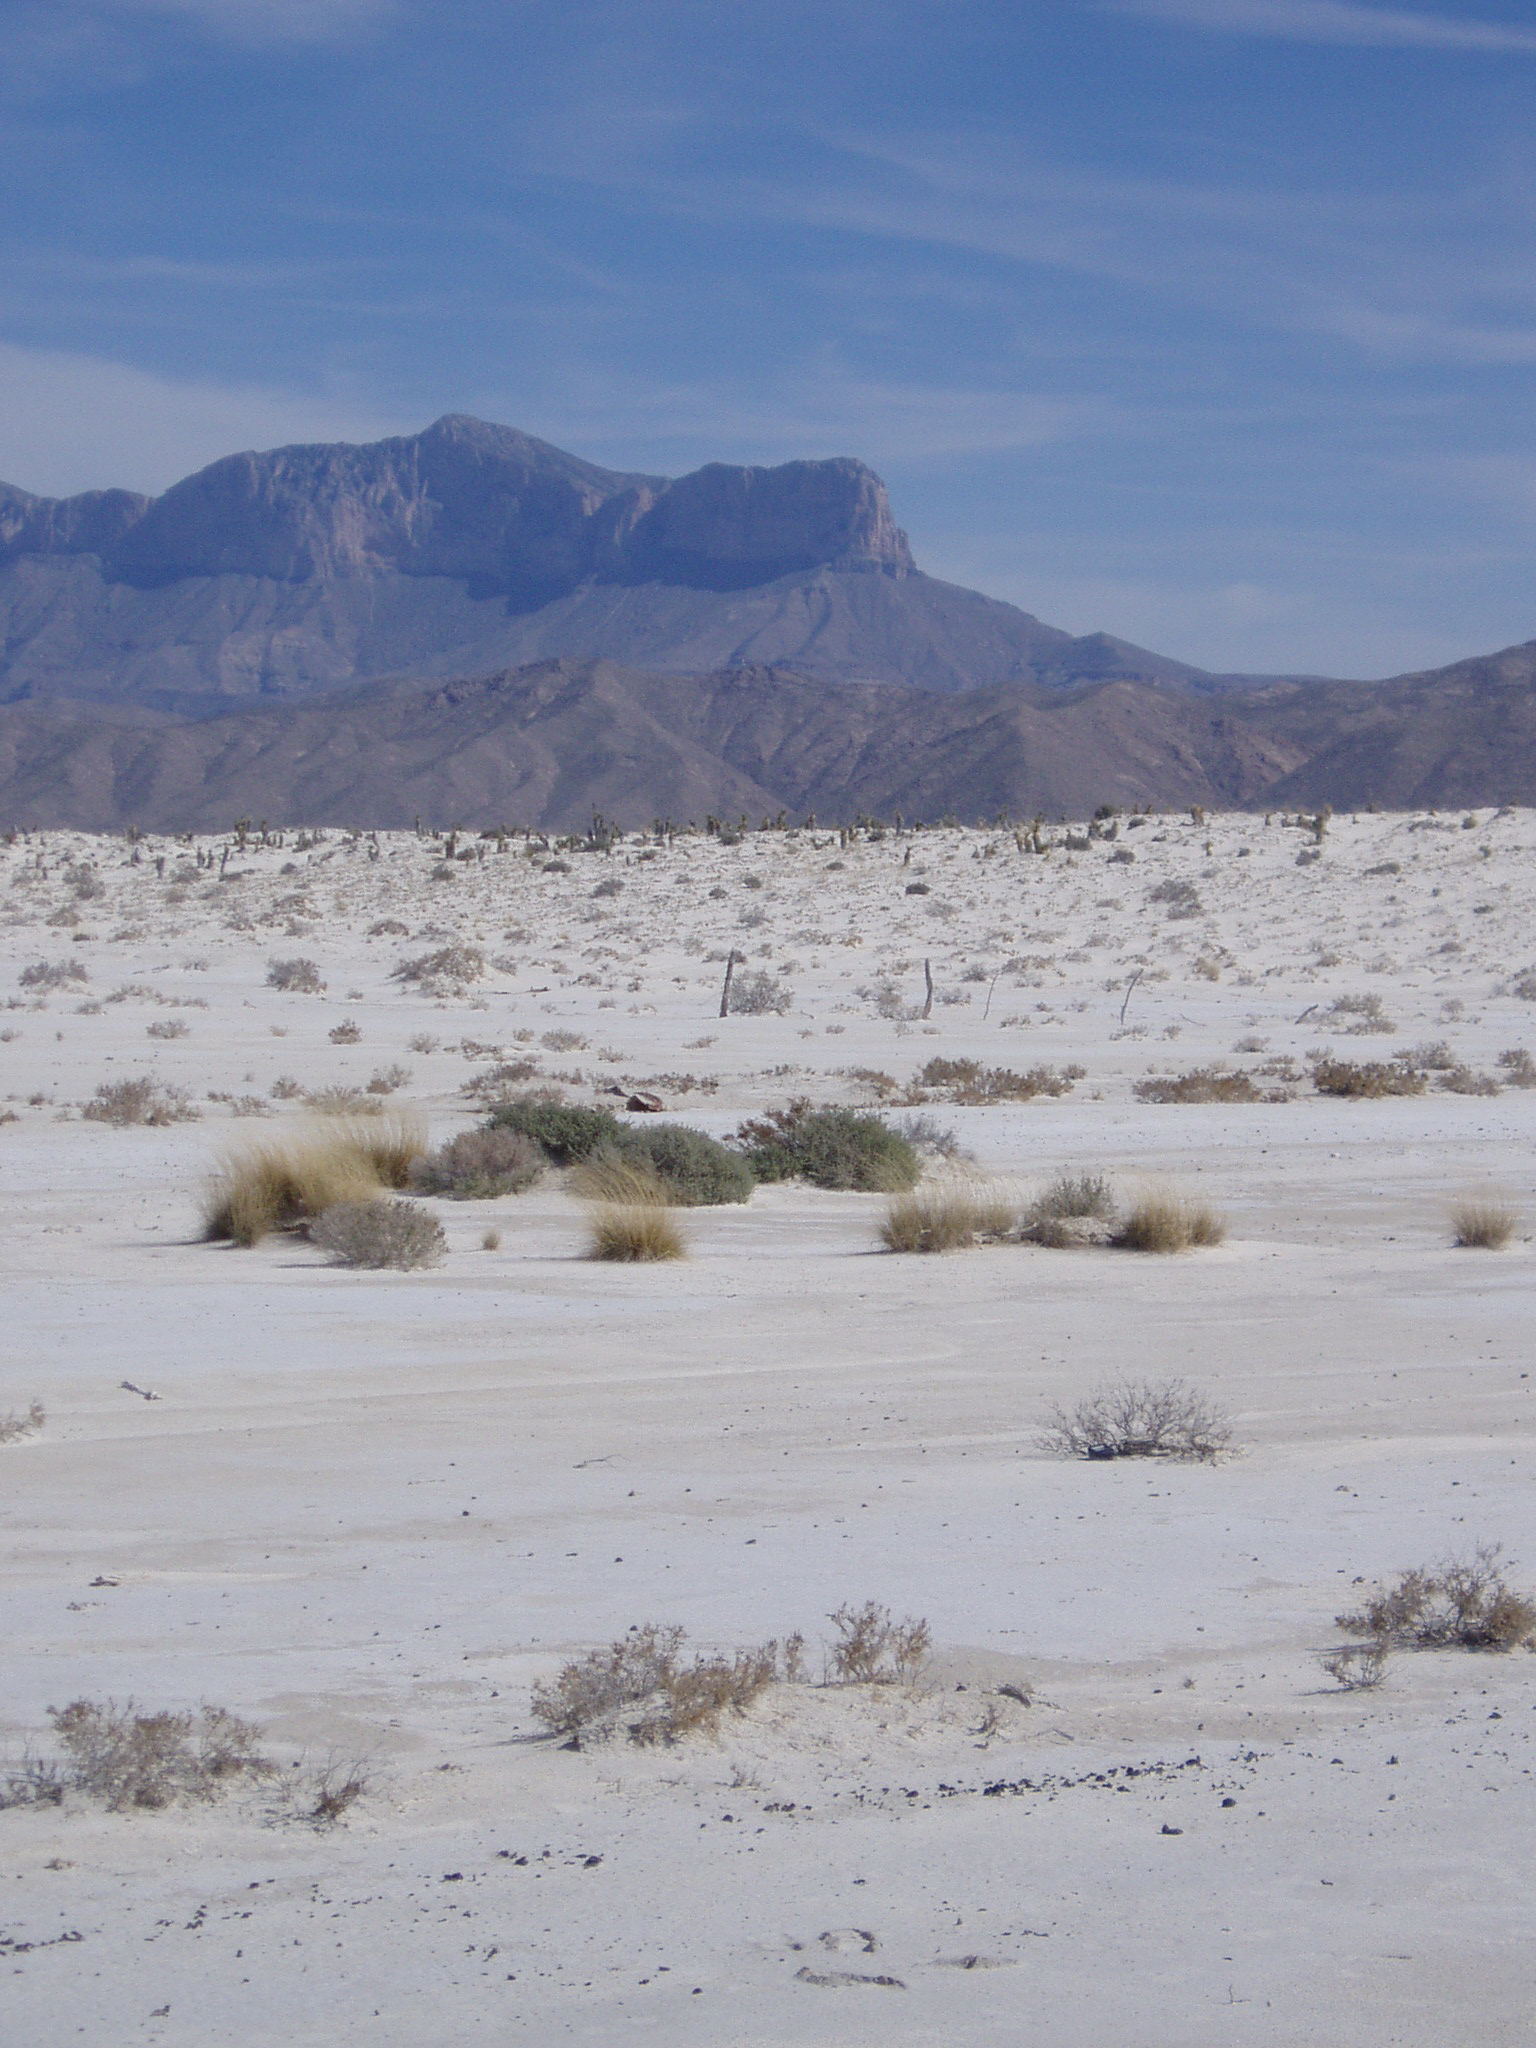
471,626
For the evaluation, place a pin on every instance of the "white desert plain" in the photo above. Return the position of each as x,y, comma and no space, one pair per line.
422,1531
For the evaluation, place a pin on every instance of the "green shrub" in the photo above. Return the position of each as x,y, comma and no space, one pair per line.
565,1132
697,1170
830,1148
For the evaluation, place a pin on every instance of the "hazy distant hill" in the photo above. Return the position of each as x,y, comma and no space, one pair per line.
471,547
550,744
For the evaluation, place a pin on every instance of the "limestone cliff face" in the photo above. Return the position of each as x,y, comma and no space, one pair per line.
484,504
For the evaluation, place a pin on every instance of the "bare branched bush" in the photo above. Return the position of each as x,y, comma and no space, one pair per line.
1462,1602
297,977
1483,1225
333,1788
140,1100
1168,1223
759,994
643,1687
1139,1419
630,1234
126,1759
949,1216
14,1427
1365,1015
1357,1667
47,974
401,1236
477,1166
874,1648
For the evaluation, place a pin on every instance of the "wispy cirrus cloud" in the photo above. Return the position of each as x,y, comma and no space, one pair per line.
1338,21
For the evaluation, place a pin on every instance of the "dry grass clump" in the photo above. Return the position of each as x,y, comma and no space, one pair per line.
1139,1419
1463,1602
1483,1225
1169,1223
947,1217
14,1427
401,1236
295,977
634,1233
126,1759
1365,1079
291,1177
1204,1084
643,1687
141,1100
873,1648
477,1166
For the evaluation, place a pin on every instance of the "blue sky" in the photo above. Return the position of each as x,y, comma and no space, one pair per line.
1207,322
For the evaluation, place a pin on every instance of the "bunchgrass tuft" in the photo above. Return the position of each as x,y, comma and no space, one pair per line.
946,1217
1169,1223
1482,1225
628,1233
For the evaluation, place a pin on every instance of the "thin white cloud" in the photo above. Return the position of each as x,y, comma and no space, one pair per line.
268,21
1338,21
77,423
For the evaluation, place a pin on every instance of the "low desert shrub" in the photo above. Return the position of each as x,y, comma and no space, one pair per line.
126,1759
1482,1226
830,1148
633,1233
696,1170
946,1217
295,977
927,1135
498,1084
167,1027
477,1166
873,1648
1077,1194
14,1427
1356,1667
565,1133
1464,1080
1517,1067
454,964
1181,897
645,1688
140,1100
759,994
1168,1223
347,1032
968,1081
47,974
1202,1084
1366,1014
398,1235
1365,1079
1139,1419
1462,1602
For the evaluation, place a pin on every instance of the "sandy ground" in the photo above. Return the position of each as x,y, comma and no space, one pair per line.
370,1511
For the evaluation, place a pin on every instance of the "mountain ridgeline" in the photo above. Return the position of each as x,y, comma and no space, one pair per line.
471,625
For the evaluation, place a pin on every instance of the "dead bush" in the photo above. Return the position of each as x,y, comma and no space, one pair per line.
333,1788
1139,1419
1357,1667
167,1027
1361,1015
347,1032
478,1166
401,1236
14,1427
1482,1225
1365,1079
627,1233
47,974
759,994
141,1100
1462,1602
1204,1084
873,1648
1463,1080
499,1083
1169,1223
1518,1068
295,977
948,1217
126,1759
643,1687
